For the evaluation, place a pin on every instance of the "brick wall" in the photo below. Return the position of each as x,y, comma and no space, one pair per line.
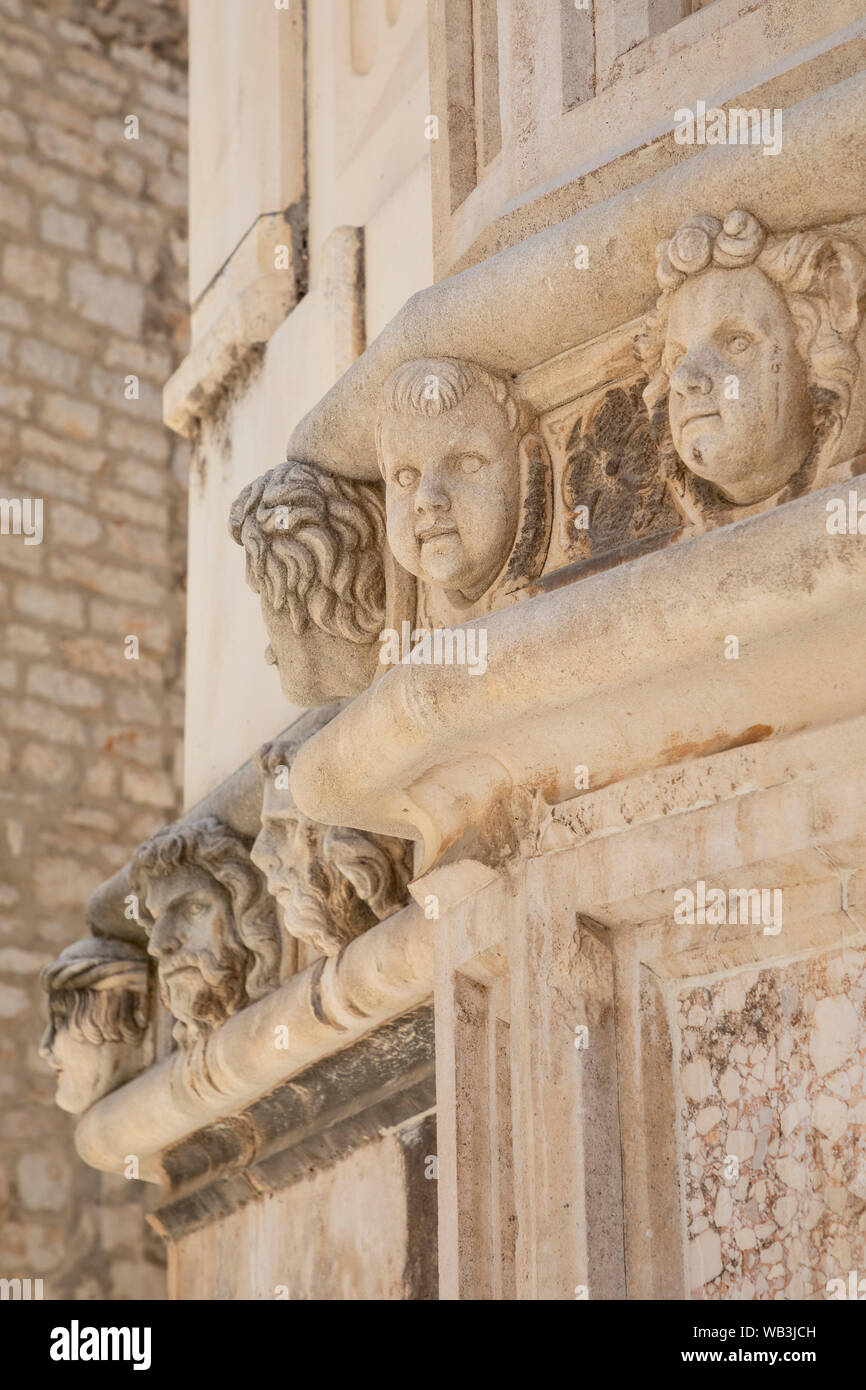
92,292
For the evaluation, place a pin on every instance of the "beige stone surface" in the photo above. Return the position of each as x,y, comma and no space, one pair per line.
247,146
340,1235
793,1204
92,289
558,157
609,453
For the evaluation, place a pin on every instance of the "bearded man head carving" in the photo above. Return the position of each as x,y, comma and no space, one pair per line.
331,883
752,356
213,928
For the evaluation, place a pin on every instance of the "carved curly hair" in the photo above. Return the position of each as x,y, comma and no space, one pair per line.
433,385
314,544
823,280
99,990
210,845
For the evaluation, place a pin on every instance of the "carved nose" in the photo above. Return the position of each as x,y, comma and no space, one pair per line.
432,497
690,379
264,860
163,939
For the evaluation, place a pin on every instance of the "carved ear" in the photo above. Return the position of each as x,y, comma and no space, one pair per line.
842,273
814,264
534,523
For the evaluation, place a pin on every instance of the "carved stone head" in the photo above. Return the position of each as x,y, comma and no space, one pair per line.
98,1002
314,546
331,884
465,477
751,351
213,929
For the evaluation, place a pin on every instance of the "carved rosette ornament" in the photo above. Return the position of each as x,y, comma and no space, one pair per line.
99,1010
613,472
211,925
752,356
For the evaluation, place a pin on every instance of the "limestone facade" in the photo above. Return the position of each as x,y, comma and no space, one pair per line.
92,291
509,945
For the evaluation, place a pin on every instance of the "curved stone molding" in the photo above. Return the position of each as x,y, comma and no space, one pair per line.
210,924
99,1004
486,486
314,545
379,976
529,304
753,360
432,752
331,883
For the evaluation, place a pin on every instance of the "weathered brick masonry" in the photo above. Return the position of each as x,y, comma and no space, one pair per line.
92,291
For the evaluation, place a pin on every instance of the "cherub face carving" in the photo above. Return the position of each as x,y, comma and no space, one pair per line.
201,970
739,405
452,486
752,347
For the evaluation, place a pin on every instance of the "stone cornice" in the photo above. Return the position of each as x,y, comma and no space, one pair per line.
317,1118
549,309
378,977
593,675
235,317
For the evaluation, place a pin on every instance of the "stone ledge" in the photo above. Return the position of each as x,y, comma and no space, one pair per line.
430,752
315,1120
523,306
333,1003
234,318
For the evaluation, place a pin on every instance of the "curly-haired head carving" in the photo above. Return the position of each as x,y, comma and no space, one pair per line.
375,865
201,888
314,544
468,498
757,365
432,386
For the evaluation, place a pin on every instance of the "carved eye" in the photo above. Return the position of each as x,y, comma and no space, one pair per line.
196,909
407,477
740,342
470,463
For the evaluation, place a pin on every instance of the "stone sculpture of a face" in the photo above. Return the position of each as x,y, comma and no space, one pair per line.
740,411
98,1001
331,884
453,444
212,928
314,553
752,339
